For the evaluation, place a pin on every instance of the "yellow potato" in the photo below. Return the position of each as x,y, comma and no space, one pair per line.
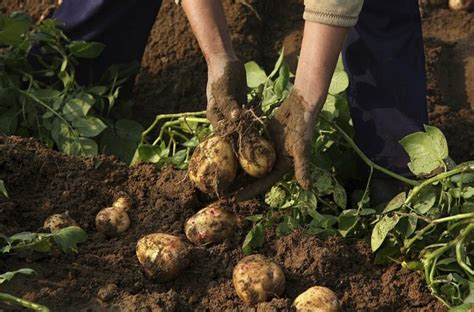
257,279
256,156
317,299
163,256
58,221
213,166
112,221
210,225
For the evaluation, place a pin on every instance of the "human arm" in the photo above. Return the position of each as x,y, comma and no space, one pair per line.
226,87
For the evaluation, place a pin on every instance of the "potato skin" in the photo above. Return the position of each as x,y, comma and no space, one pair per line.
210,225
213,166
256,156
317,299
257,279
163,256
112,221
58,221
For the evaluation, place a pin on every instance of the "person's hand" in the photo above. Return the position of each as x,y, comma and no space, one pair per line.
291,131
226,91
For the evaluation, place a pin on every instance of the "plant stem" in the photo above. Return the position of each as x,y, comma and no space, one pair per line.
438,178
369,162
433,223
23,303
158,118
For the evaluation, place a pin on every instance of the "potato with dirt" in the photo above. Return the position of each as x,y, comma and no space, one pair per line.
58,221
258,279
114,220
213,166
163,256
212,224
317,299
256,155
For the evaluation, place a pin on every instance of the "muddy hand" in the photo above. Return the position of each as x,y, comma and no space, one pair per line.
292,132
226,92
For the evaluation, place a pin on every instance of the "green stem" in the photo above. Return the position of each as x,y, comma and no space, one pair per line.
368,161
170,116
23,303
420,233
438,178
459,250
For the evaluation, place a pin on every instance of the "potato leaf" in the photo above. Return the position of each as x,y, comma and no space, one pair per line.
5,277
339,82
88,50
381,229
68,238
396,202
427,150
255,75
3,189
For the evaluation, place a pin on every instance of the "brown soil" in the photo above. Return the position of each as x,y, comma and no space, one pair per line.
105,275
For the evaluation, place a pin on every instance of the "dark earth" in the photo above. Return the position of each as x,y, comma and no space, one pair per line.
105,274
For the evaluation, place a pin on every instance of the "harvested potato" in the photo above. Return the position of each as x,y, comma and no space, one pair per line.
459,5
257,279
58,221
114,220
213,166
317,299
163,256
256,156
210,225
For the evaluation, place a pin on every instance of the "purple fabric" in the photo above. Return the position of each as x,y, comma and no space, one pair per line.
384,57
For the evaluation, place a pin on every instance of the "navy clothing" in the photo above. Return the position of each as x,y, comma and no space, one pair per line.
383,56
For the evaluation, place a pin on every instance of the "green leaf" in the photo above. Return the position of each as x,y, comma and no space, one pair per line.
3,189
89,126
75,108
68,238
383,255
146,153
339,82
254,239
348,220
80,147
89,50
323,182
278,64
255,75
122,140
468,192
381,229
340,196
329,109
440,144
426,151
282,80
12,29
424,200
396,202
5,277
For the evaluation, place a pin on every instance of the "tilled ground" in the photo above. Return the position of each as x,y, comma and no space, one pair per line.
105,274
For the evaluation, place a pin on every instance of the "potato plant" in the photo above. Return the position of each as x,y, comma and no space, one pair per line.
40,97
65,239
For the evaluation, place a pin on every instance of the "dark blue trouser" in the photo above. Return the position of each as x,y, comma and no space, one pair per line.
385,60
383,55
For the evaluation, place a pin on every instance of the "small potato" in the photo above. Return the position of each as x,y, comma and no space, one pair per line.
112,221
122,203
213,166
257,279
317,299
163,256
459,5
58,221
256,156
210,225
